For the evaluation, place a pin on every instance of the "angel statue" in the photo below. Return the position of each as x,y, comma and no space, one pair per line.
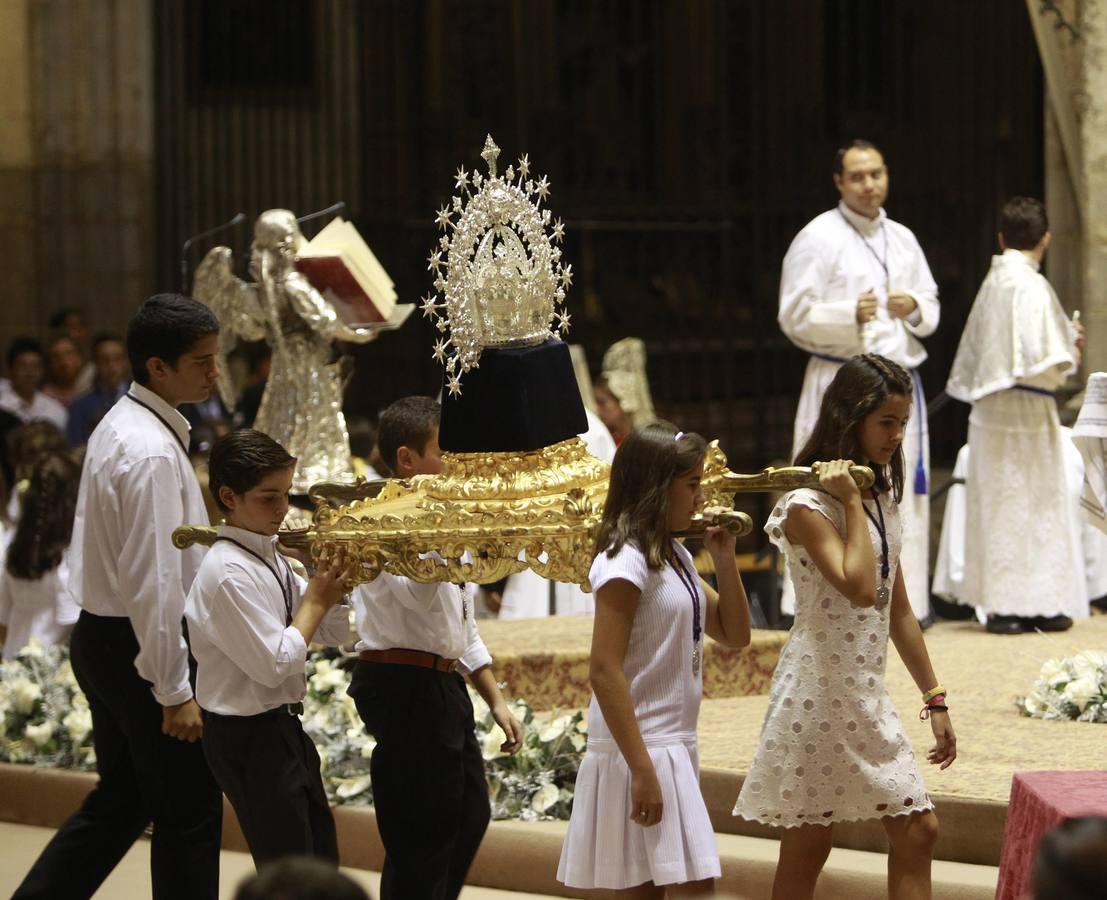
302,404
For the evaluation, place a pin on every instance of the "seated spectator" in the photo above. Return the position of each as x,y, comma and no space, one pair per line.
1072,861
64,364
299,878
71,322
109,356
35,603
22,394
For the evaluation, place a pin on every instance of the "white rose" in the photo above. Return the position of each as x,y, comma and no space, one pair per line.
555,729
1088,663
39,734
546,797
1035,705
353,786
1081,690
23,693
33,650
331,679
78,723
367,749
1054,672
490,748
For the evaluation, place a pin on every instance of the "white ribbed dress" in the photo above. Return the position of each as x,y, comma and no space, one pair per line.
603,847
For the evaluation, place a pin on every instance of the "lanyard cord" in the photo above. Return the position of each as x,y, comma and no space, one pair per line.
693,591
160,418
882,530
285,586
876,256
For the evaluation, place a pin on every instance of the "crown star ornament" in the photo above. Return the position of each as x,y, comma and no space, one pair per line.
498,279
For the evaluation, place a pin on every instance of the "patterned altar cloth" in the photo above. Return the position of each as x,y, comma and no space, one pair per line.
545,661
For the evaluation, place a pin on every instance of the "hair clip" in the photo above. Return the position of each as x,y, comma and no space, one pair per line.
678,435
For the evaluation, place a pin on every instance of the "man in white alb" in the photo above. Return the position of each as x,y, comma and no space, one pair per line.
854,281
1023,561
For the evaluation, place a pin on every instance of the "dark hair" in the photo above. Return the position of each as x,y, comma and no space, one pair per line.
363,438
58,317
21,345
1023,223
166,327
105,337
299,878
637,507
855,144
46,521
409,422
241,459
859,387
28,442
1072,861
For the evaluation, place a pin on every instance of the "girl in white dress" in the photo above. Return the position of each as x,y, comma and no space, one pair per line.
832,748
34,600
639,824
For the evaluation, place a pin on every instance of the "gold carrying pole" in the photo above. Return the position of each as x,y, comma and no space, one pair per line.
489,515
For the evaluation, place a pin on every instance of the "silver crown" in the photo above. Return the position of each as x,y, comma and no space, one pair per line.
503,279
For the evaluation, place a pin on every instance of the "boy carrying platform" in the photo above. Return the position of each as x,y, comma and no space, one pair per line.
250,620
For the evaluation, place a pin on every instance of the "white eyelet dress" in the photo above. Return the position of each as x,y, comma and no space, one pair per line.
603,847
832,748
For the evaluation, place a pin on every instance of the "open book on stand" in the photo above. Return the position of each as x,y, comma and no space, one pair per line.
340,265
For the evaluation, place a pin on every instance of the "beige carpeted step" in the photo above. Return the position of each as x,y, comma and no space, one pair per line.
523,856
131,878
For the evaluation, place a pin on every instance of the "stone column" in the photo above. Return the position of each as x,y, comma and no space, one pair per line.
1094,139
76,161
17,197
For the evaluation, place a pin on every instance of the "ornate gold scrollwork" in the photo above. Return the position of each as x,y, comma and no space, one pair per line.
488,515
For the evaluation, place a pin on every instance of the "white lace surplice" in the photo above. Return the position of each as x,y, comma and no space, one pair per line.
832,747
1023,551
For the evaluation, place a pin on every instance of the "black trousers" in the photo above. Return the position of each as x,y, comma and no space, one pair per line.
270,771
428,777
145,776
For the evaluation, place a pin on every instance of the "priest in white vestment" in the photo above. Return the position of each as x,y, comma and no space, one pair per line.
854,281
1023,561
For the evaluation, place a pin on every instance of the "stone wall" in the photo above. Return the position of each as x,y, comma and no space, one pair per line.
76,160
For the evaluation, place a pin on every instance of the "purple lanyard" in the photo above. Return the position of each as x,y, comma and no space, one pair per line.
882,530
694,592
285,586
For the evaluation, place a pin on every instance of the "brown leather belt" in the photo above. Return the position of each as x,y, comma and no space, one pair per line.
400,657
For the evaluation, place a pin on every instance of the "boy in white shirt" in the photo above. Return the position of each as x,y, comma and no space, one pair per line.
128,647
416,641
250,620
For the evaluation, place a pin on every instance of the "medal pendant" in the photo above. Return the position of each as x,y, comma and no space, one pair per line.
883,595
696,660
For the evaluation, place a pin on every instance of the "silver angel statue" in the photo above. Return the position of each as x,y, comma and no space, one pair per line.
302,404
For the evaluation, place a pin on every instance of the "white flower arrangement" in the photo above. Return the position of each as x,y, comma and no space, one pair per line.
1073,688
44,717
45,720
538,781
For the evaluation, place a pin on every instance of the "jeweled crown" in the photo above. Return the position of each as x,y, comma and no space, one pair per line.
500,277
